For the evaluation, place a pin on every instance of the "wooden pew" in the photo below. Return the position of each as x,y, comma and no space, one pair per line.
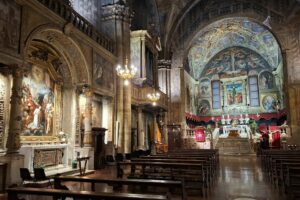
13,194
192,174
292,182
170,184
208,165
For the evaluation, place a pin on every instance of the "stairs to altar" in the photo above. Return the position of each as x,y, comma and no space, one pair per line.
234,146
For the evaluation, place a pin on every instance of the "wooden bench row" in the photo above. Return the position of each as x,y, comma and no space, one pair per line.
195,169
12,194
282,167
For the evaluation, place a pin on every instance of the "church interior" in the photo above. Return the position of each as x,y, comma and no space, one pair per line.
150,99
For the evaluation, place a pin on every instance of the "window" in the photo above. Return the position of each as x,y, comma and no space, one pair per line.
253,91
216,95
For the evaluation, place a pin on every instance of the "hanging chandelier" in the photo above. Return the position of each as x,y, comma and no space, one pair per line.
153,97
125,72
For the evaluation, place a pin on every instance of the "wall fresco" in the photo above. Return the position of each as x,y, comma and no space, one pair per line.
228,33
235,59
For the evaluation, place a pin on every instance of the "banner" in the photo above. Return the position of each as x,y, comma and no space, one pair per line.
200,135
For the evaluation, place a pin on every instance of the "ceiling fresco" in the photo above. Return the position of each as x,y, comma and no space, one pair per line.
235,59
232,32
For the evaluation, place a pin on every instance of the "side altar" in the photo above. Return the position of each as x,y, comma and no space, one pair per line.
46,155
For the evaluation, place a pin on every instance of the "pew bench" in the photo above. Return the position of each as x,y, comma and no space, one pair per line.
169,184
191,174
55,193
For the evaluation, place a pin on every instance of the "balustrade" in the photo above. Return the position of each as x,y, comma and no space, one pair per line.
70,15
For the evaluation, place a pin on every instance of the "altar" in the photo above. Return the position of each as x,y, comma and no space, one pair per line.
46,155
240,131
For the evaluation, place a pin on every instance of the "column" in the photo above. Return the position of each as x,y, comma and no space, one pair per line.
87,138
15,123
165,128
13,144
153,136
116,20
127,119
141,131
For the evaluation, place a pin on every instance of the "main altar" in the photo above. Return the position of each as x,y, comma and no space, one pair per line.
241,131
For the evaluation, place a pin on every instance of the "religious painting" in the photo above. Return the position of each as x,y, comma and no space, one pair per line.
101,67
10,20
234,93
235,59
269,103
205,88
203,107
38,103
266,80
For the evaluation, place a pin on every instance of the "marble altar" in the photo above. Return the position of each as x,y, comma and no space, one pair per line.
49,155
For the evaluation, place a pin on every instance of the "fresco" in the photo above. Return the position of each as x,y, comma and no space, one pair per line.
234,59
266,80
234,92
203,107
38,103
232,32
269,103
205,88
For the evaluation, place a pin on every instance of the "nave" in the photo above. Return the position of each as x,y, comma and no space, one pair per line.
238,178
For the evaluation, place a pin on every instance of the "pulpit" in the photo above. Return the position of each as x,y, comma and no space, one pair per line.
99,155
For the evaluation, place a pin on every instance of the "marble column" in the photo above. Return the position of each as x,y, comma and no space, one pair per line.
141,131
87,138
15,123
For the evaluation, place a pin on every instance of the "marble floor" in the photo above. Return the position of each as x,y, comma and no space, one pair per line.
240,178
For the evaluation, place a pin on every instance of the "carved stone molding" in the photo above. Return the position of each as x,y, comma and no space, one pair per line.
164,64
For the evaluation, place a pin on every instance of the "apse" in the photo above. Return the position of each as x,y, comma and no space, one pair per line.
237,65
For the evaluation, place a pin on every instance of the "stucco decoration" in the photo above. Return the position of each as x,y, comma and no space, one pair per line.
69,51
232,32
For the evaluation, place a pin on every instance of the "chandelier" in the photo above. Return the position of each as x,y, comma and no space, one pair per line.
153,97
125,72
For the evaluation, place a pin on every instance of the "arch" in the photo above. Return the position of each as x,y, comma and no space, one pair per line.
213,11
66,47
228,33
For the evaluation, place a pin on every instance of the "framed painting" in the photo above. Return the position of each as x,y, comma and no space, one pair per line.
234,93
39,105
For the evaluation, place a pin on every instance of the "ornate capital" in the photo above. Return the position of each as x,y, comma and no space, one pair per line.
116,11
164,64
